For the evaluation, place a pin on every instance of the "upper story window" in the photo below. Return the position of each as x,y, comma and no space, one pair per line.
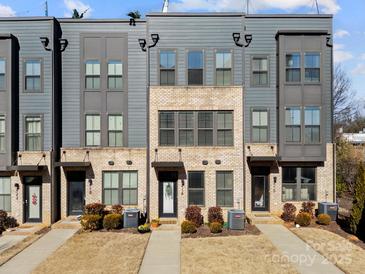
195,67
5,194
259,125
92,74
312,125
115,130
2,73
196,188
312,64
115,75
225,128
167,128
205,128
223,64
260,71
33,133
2,133
186,128
33,76
292,124
293,66
167,67
92,130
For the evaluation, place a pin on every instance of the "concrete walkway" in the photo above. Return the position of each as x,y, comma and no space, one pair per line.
163,251
7,241
304,258
32,256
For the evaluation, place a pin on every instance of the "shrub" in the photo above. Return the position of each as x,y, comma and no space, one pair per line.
215,214
215,227
289,211
144,228
193,214
324,219
303,219
94,209
308,207
3,217
357,217
11,222
117,209
91,222
112,221
188,227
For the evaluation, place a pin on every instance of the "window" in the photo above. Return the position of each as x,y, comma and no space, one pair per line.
2,73
205,128
120,188
196,188
293,67
2,133
115,130
195,67
292,124
33,76
259,126
312,125
5,194
92,130
225,128
186,128
115,75
312,67
224,188
260,73
223,64
33,133
167,128
299,184
167,67
92,74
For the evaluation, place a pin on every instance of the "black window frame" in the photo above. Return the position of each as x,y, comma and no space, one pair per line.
311,127
225,189
33,76
228,140
310,69
168,70
204,128
185,128
259,72
289,78
224,70
298,182
192,70
196,189
260,127
33,135
291,127
168,130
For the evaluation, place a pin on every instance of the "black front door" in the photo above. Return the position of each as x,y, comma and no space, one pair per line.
32,199
76,193
168,194
260,193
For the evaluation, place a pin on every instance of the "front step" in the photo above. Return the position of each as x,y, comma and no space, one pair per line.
168,221
263,218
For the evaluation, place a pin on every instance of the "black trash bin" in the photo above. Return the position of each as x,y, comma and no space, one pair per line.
131,217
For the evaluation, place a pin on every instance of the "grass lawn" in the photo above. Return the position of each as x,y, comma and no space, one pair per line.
97,252
340,251
234,254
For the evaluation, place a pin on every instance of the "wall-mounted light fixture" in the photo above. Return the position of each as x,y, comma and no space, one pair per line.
17,186
275,180
63,44
90,184
218,162
328,41
142,42
237,36
111,163
132,22
204,162
45,43
129,162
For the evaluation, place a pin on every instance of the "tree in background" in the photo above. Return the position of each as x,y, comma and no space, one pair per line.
134,14
77,15
357,219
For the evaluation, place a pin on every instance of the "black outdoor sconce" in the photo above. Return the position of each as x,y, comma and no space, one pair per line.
17,186
328,41
90,184
63,44
45,43
237,36
132,22
142,42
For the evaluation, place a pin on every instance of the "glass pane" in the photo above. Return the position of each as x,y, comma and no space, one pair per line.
92,68
167,59
293,60
312,115
195,60
167,120
225,120
205,137
312,60
5,185
115,122
195,76
2,81
308,175
205,120
2,66
196,197
307,193
115,68
223,60
196,179
34,199
259,64
114,197
220,78
289,175
186,119
227,60
167,137
312,74
33,68
2,124
225,138
114,180
107,180
289,192
186,137
219,59
292,116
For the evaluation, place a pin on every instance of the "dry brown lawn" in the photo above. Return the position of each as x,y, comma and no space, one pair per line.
346,255
97,252
236,254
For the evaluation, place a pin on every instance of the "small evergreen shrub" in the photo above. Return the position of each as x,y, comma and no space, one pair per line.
112,221
94,209
193,214
117,209
188,227
215,214
144,228
289,211
324,219
215,227
91,222
303,219
11,222
308,207
357,217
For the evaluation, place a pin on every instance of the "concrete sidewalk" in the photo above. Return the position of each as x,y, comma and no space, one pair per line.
32,256
304,258
7,241
163,251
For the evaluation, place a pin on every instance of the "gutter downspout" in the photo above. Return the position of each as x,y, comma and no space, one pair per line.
148,156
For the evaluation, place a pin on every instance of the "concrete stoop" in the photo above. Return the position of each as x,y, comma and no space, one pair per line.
263,218
168,221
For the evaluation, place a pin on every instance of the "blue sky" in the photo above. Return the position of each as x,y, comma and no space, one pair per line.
349,19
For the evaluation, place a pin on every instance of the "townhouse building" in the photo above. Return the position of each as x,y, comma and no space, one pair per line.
210,109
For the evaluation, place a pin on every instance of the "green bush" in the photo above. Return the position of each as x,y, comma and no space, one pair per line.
303,219
358,212
112,221
144,228
308,207
94,209
193,214
215,214
3,218
91,222
117,209
324,219
215,227
289,211
188,227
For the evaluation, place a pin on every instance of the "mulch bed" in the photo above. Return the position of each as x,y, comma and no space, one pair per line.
204,232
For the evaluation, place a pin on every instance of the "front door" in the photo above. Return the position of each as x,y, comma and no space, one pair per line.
168,195
260,193
33,199
76,197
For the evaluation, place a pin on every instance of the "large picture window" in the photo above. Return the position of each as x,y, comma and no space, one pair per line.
299,184
120,187
293,66
115,75
259,126
167,128
312,125
92,74
115,130
225,128
223,65
167,67
292,124
260,71
196,188
2,133
186,128
224,188
312,67
195,67
33,133
92,130
5,194
33,76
